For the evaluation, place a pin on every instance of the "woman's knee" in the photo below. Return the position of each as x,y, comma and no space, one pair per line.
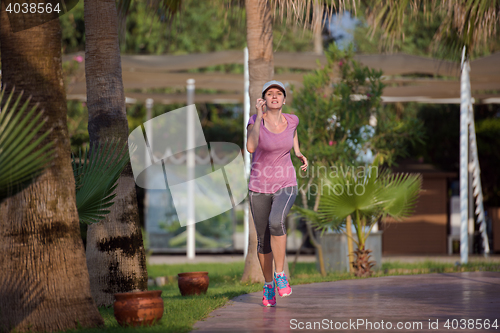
277,227
264,248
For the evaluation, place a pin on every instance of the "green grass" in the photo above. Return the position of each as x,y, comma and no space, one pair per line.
181,313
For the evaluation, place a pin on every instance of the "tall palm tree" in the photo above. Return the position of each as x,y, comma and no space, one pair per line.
261,70
115,250
260,15
44,282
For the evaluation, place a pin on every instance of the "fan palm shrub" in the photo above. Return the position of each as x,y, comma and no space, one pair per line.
368,195
337,107
96,178
21,158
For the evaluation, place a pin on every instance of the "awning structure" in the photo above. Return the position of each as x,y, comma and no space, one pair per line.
408,78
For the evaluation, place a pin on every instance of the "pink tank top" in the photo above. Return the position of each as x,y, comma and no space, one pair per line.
272,167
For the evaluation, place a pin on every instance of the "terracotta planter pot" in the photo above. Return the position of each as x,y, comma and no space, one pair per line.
193,283
138,308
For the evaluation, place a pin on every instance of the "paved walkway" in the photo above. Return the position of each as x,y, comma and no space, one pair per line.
224,258
418,303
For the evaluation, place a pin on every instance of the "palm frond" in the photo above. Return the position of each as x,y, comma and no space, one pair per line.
399,195
309,214
389,16
309,14
21,157
166,9
96,179
469,22
346,194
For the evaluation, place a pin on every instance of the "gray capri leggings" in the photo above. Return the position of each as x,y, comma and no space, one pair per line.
269,211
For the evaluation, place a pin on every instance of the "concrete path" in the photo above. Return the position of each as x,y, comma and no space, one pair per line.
418,303
225,258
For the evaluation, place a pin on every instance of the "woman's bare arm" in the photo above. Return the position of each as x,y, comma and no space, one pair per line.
296,149
253,130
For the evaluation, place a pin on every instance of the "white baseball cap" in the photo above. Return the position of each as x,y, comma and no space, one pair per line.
273,83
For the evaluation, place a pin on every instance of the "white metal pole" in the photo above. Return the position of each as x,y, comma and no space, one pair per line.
149,135
476,183
190,160
464,150
470,212
246,116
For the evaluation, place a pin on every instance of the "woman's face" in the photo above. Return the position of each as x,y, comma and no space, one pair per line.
274,98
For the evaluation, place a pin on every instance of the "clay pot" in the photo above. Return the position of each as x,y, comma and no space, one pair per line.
138,308
193,283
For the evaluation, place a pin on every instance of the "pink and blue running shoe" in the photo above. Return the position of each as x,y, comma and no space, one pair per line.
269,298
284,288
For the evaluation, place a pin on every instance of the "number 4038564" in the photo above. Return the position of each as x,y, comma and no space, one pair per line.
32,8
471,324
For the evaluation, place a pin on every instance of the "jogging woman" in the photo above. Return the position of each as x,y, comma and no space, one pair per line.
273,184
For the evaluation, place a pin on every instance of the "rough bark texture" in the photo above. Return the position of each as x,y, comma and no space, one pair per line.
362,264
260,47
115,251
261,70
44,283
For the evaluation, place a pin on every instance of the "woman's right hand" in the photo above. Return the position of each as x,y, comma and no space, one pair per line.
260,107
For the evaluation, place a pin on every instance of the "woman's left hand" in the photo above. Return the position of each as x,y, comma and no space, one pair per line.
304,165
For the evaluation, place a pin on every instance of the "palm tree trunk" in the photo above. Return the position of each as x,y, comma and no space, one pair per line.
350,247
317,30
311,234
260,47
44,282
261,70
115,250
